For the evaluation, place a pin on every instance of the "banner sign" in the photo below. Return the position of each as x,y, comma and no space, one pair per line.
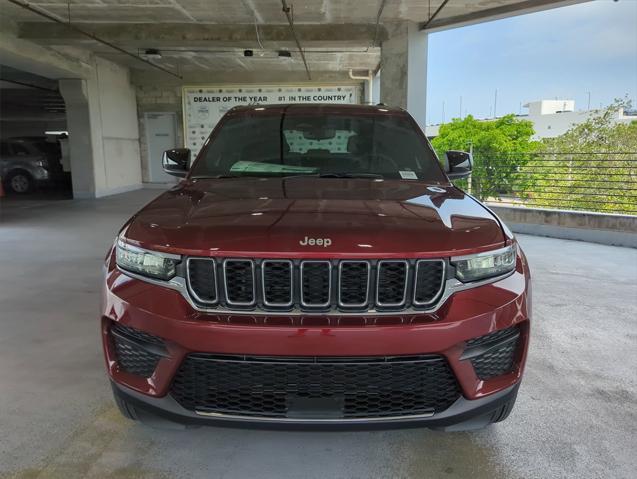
205,105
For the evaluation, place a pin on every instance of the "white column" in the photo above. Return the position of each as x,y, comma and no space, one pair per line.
403,77
78,124
103,131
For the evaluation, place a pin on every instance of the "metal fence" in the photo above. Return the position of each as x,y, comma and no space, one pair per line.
592,181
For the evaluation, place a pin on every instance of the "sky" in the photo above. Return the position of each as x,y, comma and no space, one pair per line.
564,52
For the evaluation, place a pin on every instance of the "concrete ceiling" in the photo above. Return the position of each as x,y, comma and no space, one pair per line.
28,97
210,35
269,11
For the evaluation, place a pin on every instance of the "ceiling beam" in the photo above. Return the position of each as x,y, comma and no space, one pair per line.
19,77
84,33
424,25
156,35
496,13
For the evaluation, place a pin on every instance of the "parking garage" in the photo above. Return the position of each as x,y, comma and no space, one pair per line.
113,111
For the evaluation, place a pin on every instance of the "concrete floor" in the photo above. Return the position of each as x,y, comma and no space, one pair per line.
576,414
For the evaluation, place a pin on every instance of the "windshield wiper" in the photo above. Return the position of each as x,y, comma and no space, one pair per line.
302,175
350,175
215,177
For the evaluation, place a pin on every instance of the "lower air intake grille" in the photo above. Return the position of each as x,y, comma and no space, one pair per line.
354,387
495,362
136,334
131,356
500,352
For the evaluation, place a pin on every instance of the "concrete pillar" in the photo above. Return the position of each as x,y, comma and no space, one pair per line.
403,77
103,131
78,123
376,89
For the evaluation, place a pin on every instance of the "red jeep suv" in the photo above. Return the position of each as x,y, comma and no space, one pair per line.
316,266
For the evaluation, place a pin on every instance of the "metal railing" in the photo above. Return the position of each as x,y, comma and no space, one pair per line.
587,181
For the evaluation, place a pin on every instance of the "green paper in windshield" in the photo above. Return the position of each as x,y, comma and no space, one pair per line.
258,167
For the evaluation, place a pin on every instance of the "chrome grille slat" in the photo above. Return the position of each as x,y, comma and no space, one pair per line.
391,283
313,278
425,291
239,282
277,284
351,286
202,280
383,286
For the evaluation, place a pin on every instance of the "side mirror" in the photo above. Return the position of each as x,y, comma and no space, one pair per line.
458,164
176,162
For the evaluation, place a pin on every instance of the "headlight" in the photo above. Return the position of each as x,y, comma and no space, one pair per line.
485,265
144,262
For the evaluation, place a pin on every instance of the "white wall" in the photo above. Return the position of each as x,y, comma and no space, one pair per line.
549,107
556,124
103,131
117,110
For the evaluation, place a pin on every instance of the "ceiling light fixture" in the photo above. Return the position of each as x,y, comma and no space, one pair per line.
151,54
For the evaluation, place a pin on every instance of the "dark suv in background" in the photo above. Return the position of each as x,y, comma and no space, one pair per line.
28,162
316,266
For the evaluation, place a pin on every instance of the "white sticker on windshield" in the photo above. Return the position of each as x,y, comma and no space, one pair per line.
408,175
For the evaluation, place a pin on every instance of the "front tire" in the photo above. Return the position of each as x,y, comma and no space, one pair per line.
20,182
503,411
127,409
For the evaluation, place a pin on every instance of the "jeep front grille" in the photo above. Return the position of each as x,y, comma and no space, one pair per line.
315,285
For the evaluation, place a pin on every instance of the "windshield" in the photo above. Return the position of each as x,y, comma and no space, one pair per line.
380,146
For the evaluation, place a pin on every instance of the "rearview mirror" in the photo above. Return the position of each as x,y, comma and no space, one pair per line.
458,164
176,161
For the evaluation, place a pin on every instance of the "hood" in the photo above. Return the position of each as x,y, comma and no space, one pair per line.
287,216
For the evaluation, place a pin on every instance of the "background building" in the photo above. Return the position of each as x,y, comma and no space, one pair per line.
553,118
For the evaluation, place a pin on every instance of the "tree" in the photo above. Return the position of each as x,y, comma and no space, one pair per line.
593,166
500,148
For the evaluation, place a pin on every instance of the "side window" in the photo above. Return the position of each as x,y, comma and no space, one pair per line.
4,149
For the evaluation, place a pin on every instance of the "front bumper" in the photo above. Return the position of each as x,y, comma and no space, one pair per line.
469,414
466,315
